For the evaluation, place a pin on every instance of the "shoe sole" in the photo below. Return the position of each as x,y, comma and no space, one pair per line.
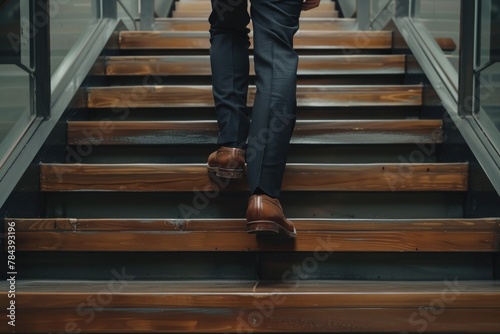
269,228
226,173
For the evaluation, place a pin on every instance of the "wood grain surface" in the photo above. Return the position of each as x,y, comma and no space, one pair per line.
308,65
202,24
327,235
238,225
206,5
201,96
251,320
295,293
298,177
303,40
206,14
206,132
308,39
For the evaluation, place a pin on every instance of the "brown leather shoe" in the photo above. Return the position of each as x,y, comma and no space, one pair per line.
227,162
265,216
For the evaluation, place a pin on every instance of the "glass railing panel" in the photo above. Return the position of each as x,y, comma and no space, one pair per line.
16,111
381,13
484,33
128,12
70,21
489,99
379,5
440,19
15,106
487,70
162,7
348,7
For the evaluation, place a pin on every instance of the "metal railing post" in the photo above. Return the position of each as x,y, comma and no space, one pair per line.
96,8
147,14
40,58
466,99
404,8
363,14
110,9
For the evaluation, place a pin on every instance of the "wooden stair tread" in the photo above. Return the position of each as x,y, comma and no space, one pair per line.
123,304
360,241
241,294
201,96
446,43
292,305
298,177
206,5
231,320
308,65
202,24
303,40
335,235
206,132
238,225
206,13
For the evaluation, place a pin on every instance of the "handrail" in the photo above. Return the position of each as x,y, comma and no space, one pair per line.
457,86
49,104
466,105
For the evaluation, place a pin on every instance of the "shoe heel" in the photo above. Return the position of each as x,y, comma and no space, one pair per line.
263,227
230,173
270,229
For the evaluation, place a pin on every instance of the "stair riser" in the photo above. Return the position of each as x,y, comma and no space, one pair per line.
206,13
250,265
204,25
303,113
231,205
206,132
298,153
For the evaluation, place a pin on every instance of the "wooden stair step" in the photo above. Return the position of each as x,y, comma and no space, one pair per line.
206,13
336,235
308,65
201,96
320,40
202,24
298,177
205,132
207,6
293,305
179,1
446,43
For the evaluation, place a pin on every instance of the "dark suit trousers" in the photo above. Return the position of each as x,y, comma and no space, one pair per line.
267,130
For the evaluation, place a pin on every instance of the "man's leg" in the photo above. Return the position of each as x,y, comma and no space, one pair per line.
274,23
230,69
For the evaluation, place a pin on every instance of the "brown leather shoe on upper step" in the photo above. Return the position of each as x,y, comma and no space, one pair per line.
265,217
227,162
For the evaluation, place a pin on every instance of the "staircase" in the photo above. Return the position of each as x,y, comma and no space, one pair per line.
138,238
